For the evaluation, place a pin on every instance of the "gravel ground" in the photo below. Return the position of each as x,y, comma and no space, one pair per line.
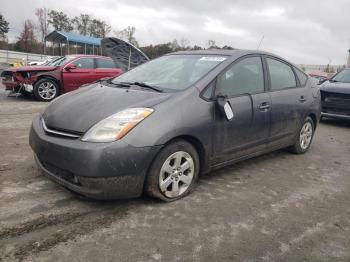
277,207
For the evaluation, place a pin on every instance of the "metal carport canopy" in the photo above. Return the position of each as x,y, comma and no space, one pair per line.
64,37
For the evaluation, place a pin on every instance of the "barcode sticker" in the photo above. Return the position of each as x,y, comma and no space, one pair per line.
213,58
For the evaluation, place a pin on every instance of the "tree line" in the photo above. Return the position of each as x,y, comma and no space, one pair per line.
32,36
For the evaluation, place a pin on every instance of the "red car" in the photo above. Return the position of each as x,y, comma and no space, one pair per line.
59,76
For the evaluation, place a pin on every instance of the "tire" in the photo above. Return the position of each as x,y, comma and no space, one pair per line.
46,89
165,172
304,138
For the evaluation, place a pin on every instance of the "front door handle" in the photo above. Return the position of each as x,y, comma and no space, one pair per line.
264,106
302,99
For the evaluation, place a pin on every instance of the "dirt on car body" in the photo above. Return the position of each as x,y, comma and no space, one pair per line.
277,207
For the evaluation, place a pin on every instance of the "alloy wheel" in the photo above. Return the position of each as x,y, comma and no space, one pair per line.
47,90
306,135
176,174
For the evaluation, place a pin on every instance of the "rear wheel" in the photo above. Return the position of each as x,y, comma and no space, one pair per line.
174,172
46,89
304,137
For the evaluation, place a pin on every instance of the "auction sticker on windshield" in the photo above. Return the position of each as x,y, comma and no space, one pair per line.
213,58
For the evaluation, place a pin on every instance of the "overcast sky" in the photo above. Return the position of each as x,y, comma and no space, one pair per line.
303,31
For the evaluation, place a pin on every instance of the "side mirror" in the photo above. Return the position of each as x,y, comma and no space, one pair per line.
70,67
224,107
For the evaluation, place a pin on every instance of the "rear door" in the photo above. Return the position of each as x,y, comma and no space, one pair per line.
243,83
82,74
106,67
288,100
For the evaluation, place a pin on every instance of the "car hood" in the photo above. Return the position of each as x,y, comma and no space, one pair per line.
124,54
336,87
79,110
31,68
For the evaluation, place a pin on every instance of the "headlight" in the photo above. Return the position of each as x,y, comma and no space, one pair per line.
116,126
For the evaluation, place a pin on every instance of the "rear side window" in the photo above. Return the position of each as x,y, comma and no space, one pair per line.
281,75
243,77
301,76
105,63
84,63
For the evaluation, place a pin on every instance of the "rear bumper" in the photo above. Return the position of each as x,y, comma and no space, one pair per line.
96,170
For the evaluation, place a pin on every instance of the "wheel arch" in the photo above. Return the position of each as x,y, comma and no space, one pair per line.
314,119
199,146
51,78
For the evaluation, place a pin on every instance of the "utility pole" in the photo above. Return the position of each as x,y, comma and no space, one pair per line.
347,57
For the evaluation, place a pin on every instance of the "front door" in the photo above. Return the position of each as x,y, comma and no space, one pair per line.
84,72
243,83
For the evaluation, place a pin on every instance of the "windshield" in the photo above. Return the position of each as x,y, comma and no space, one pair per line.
50,62
343,76
60,61
175,72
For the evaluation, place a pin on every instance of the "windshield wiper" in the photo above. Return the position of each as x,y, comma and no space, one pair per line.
333,80
121,84
143,85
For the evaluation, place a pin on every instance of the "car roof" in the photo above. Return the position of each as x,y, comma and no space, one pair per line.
226,52
235,53
82,55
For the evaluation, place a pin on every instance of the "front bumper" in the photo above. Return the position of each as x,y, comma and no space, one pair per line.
96,170
335,105
336,115
10,84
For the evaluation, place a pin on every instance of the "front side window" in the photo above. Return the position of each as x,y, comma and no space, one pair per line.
84,63
208,92
174,72
244,77
104,63
281,75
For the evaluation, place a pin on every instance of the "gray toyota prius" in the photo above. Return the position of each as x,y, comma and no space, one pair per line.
157,127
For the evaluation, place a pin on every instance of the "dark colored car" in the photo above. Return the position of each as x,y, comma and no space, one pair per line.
159,125
59,76
335,96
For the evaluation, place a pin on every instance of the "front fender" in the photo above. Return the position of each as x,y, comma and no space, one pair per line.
183,114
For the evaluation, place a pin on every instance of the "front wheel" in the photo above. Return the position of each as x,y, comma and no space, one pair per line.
174,172
304,137
46,90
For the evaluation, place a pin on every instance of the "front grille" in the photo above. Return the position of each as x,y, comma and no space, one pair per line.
8,76
335,101
59,132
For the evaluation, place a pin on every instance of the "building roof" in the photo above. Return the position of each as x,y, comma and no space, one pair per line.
64,37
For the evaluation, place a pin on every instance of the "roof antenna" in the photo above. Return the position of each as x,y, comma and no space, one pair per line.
347,54
261,40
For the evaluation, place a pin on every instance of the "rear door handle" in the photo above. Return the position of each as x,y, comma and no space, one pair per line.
302,99
264,106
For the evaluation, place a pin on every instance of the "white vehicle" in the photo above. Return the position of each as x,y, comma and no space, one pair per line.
48,59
